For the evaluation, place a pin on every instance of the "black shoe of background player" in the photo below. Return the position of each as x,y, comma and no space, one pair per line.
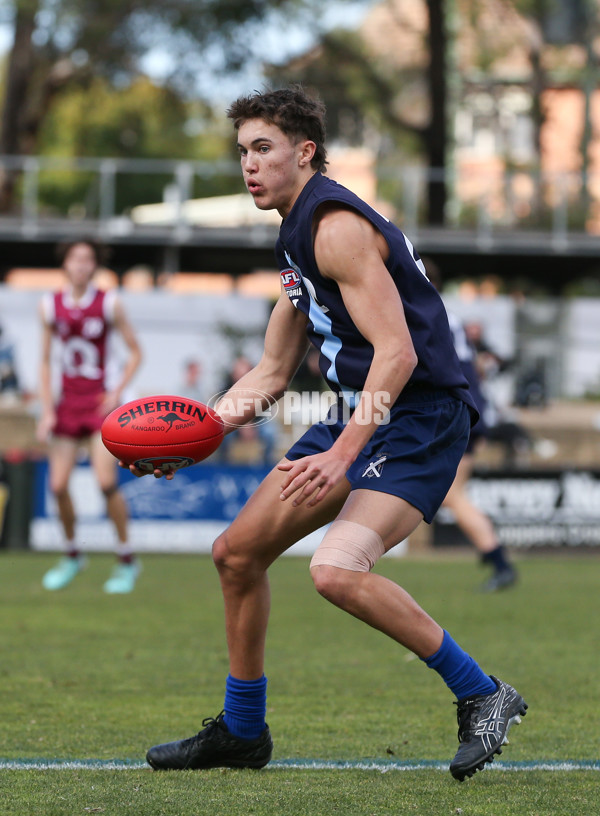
483,724
501,579
213,747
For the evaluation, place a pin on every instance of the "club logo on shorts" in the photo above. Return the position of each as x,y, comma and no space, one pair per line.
374,468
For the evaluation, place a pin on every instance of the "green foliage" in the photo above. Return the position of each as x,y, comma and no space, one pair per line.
369,100
70,59
142,120
85,675
109,37
360,91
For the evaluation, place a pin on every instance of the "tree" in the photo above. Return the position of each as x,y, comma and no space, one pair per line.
142,120
402,78
563,24
359,84
59,44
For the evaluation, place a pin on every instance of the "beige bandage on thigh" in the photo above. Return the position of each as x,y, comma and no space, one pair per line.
350,546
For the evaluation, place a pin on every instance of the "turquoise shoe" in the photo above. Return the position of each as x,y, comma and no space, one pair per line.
63,573
123,578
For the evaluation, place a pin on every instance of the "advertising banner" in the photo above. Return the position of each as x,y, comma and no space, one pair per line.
532,509
182,515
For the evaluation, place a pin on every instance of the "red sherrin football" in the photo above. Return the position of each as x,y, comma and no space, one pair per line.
164,432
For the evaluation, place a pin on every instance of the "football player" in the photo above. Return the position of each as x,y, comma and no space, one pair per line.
80,318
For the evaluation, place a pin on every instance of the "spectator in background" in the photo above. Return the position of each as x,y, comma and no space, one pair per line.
308,377
532,388
501,427
474,523
81,317
261,431
488,359
9,382
191,384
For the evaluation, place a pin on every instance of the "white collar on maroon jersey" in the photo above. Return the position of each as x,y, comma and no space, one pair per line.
83,302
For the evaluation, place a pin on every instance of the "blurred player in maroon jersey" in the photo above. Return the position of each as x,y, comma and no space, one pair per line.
81,317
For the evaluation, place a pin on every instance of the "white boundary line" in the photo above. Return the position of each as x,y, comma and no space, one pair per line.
383,766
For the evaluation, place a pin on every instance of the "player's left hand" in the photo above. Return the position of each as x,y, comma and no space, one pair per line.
314,476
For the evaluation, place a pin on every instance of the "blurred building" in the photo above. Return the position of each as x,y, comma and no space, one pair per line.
520,92
521,176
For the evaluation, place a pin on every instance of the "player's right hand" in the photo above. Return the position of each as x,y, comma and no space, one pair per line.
45,426
158,474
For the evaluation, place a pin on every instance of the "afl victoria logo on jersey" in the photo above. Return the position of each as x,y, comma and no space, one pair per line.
291,279
292,283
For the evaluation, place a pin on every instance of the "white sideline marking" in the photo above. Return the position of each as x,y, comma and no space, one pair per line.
383,766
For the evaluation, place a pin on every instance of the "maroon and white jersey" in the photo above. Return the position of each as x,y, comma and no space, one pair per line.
82,327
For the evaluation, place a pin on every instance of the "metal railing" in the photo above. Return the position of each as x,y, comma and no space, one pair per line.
106,191
491,204
103,192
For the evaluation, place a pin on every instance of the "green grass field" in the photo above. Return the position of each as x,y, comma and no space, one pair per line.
91,677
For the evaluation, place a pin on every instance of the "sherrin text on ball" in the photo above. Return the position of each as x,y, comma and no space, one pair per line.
163,432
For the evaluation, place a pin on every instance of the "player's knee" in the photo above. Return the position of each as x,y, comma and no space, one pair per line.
109,490
332,583
349,546
59,490
232,563
347,550
220,552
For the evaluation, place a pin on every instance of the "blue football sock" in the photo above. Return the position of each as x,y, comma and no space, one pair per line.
245,706
497,557
459,671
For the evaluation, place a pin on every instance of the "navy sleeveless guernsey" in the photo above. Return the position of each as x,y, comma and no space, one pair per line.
345,355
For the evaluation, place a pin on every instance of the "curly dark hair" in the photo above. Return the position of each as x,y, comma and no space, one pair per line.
100,251
292,110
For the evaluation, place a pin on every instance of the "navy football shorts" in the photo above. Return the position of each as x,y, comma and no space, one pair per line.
414,456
